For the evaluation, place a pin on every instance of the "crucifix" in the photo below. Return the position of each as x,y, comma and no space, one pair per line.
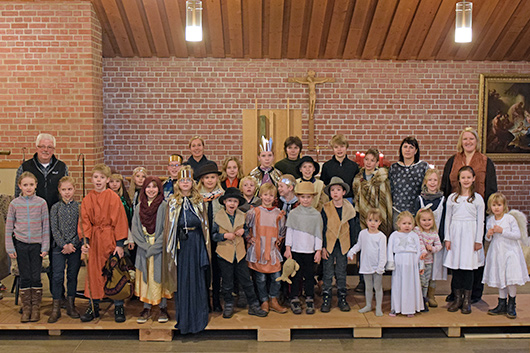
311,81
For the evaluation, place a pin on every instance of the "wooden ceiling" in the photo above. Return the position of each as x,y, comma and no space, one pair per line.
316,29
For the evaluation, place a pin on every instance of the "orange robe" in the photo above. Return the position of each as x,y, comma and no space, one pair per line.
104,222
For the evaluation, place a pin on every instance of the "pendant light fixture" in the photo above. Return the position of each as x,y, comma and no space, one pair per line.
193,20
463,31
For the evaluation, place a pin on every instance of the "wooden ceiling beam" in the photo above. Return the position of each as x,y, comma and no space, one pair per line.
336,28
137,28
384,12
177,21
276,29
255,28
235,28
110,46
157,29
359,27
511,32
213,16
316,28
118,28
296,24
440,29
399,28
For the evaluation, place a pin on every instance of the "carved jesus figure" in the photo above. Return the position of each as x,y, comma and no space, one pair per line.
311,81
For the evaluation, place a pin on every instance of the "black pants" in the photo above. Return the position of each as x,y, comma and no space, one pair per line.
29,264
478,286
462,279
240,270
305,274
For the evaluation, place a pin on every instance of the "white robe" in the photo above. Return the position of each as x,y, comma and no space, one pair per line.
373,252
505,263
404,252
464,226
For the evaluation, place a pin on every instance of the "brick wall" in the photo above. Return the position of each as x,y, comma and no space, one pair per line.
51,80
153,106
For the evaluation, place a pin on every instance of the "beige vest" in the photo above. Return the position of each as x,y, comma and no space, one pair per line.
227,248
337,228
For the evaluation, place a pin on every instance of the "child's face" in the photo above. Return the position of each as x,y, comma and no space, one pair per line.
292,151
336,192
99,180
151,191
408,151
266,158
305,199
267,199
339,151
231,204
139,179
466,179
433,183
426,221
373,223
370,163
66,190
284,189
249,188
114,185
232,170
185,185
210,181
173,168
497,208
197,148
307,170
405,225
27,186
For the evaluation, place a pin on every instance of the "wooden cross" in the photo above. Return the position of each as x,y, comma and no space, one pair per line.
311,81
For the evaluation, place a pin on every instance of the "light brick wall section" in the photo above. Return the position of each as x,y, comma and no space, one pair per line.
51,80
153,106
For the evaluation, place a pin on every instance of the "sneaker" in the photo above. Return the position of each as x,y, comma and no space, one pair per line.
2,287
163,316
310,306
90,314
119,314
326,303
228,312
144,316
295,306
343,304
256,310
392,314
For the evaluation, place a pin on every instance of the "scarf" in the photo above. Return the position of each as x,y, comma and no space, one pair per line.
307,220
212,195
266,175
148,211
429,196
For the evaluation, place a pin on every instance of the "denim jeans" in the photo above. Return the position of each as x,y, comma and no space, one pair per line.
60,261
261,283
240,269
335,265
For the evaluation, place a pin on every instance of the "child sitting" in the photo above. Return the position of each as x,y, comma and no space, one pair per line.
303,243
267,231
228,231
338,237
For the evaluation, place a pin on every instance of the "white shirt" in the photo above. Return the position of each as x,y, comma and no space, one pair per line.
302,242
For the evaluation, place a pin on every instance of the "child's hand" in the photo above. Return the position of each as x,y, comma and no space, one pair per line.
318,256
84,248
288,254
447,245
13,255
325,254
118,251
230,236
43,254
478,246
428,247
423,256
497,229
350,254
490,232
239,232
130,246
422,271
279,243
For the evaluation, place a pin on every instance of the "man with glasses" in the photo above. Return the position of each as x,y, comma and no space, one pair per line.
174,165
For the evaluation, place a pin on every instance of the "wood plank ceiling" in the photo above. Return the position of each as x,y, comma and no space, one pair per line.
316,29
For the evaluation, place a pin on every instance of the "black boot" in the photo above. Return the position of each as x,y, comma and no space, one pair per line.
90,314
510,311
500,309
343,304
119,313
425,305
326,303
228,311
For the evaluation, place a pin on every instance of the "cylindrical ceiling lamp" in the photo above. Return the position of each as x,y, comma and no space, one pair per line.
193,20
463,31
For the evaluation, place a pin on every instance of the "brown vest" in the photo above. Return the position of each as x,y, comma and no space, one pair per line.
227,248
337,228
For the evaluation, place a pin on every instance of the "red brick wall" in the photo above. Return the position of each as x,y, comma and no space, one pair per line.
153,106
51,79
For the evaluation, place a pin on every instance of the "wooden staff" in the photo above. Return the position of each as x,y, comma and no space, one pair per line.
85,258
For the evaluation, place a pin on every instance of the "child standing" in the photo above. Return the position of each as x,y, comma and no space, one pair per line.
137,181
231,174
229,232
338,237
372,245
464,230
28,241
287,200
303,243
505,264
265,172
404,251
148,234
267,232
174,164
430,245
309,169
64,216
248,186
117,185
103,229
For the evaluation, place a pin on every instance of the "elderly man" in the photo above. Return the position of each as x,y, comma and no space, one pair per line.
46,167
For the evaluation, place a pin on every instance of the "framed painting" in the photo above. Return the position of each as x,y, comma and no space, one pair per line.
504,116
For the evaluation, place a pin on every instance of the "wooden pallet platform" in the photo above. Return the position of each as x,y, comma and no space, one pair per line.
278,327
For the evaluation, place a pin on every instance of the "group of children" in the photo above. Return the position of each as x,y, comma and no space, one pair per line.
249,225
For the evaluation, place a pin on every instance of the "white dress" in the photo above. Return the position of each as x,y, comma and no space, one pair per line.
505,264
373,252
404,252
464,226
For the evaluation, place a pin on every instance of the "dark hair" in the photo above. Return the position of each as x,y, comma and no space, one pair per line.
292,140
471,198
411,140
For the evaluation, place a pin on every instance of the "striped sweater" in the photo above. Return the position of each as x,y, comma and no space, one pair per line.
28,221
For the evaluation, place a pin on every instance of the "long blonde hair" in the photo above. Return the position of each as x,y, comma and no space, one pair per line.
240,174
195,197
132,184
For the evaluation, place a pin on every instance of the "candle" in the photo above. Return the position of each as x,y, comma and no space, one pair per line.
381,157
358,157
362,159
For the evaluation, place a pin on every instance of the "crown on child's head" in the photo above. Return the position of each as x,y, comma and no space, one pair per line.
185,173
265,145
175,158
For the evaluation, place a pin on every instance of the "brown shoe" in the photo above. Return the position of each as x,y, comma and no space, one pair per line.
25,298
457,303
70,308
265,306
276,307
144,316
430,296
466,303
56,311
36,299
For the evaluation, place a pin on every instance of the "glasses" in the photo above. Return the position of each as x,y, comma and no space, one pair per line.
185,180
174,165
42,147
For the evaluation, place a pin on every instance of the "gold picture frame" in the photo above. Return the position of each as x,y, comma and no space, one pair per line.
504,116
